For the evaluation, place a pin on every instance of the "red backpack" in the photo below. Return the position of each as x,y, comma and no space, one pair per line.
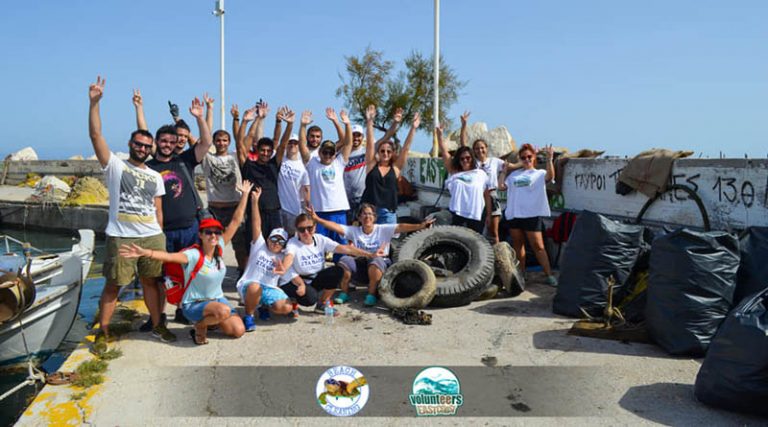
174,276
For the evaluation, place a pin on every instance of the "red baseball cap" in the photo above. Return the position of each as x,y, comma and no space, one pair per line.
210,223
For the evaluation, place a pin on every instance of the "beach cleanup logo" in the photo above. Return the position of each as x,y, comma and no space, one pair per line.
342,391
435,392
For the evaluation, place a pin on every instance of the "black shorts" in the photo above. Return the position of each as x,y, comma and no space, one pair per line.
534,223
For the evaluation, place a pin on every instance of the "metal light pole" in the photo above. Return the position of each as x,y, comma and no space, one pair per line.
219,11
436,112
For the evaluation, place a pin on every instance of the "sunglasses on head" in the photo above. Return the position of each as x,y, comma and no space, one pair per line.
141,145
277,239
304,229
210,231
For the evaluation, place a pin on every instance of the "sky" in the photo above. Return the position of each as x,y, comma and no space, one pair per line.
612,75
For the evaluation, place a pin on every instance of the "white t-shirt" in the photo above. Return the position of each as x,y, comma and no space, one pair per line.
492,166
222,175
260,266
309,259
354,174
467,193
381,235
327,184
132,192
293,176
527,194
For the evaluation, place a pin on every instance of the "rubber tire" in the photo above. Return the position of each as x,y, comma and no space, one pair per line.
466,284
420,299
506,269
489,292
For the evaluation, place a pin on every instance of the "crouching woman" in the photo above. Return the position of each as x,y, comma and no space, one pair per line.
203,302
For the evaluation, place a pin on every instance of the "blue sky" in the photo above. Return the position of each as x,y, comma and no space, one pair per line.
613,75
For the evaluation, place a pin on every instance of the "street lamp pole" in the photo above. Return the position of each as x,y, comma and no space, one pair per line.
436,112
219,11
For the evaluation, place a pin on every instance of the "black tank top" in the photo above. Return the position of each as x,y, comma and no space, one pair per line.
381,191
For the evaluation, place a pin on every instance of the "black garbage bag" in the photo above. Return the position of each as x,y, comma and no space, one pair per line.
734,374
690,288
753,268
598,249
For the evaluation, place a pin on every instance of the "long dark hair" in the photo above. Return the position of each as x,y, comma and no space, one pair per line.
456,162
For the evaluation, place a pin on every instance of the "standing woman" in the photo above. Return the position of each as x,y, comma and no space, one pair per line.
526,205
469,187
381,176
203,302
305,257
492,166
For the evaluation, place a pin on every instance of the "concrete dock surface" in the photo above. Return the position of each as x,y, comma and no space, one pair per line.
514,360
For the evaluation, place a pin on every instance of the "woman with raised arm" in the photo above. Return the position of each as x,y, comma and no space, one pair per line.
371,237
469,186
203,302
382,174
306,259
492,166
526,205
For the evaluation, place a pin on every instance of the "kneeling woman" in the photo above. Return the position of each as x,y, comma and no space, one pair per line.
373,238
258,286
306,257
203,302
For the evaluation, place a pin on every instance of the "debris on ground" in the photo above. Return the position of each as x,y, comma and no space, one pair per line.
411,316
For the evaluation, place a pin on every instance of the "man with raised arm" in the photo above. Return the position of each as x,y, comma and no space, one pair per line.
326,177
135,216
293,182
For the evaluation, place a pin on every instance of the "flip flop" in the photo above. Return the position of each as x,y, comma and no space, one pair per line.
194,337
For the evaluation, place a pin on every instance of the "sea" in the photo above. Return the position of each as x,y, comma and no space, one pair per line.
12,407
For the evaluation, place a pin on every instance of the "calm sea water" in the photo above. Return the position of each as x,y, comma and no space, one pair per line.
12,407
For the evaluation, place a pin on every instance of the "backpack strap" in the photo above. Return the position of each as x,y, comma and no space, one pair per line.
198,267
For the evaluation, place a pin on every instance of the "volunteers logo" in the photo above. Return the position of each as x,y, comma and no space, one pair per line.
342,391
436,391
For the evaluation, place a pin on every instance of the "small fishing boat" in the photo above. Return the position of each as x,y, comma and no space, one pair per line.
39,297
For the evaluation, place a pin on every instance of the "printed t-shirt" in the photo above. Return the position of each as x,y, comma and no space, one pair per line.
527,194
222,174
354,174
381,235
309,259
207,283
327,185
132,192
467,193
179,204
293,176
261,265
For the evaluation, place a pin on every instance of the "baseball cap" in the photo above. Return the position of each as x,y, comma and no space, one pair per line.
293,137
357,129
210,223
279,232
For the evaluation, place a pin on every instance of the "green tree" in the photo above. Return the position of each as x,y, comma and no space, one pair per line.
369,79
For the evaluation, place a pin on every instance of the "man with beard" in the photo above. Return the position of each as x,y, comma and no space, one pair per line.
183,133
222,177
135,216
181,203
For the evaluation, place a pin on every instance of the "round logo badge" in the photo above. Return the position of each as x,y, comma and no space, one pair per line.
436,391
342,391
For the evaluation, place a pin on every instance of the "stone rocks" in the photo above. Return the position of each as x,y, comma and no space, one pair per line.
500,142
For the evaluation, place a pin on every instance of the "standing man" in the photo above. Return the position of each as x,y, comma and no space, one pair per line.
135,216
293,182
222,178
181,203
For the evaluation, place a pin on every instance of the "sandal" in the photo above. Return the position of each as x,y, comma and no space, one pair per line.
195,338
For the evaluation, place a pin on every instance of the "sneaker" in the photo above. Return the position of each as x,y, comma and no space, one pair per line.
147,326
551,281
264,313
100,344
341,298
180,318
370,300
320,309
162,333
250,324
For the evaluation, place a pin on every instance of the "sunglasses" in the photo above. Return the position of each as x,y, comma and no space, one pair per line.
304,229
328,152
526,157
277,239
465,159
141,145
211,231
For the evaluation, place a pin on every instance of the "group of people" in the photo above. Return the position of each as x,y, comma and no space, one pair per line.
286,204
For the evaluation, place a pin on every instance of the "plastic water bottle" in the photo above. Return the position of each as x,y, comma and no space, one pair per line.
295,310
328,312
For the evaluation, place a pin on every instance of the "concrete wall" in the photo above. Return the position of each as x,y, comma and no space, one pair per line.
17,171
51,217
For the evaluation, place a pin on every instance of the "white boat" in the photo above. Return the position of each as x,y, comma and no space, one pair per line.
58,280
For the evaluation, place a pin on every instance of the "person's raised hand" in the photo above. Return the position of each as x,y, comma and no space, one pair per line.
306,117
197,108
439,130
234,111
250,115
255,194
174,109
416,120
96,90
244,187
263,109
208,100
279,267
398,116
280,114
289,115
330,113
137,101
370,113
465,117
311,212
344,117
550,151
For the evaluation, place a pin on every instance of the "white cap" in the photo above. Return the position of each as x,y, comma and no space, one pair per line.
293,137
279,232
357,129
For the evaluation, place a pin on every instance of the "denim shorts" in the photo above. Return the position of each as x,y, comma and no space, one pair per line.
269,295
386,216
193,311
